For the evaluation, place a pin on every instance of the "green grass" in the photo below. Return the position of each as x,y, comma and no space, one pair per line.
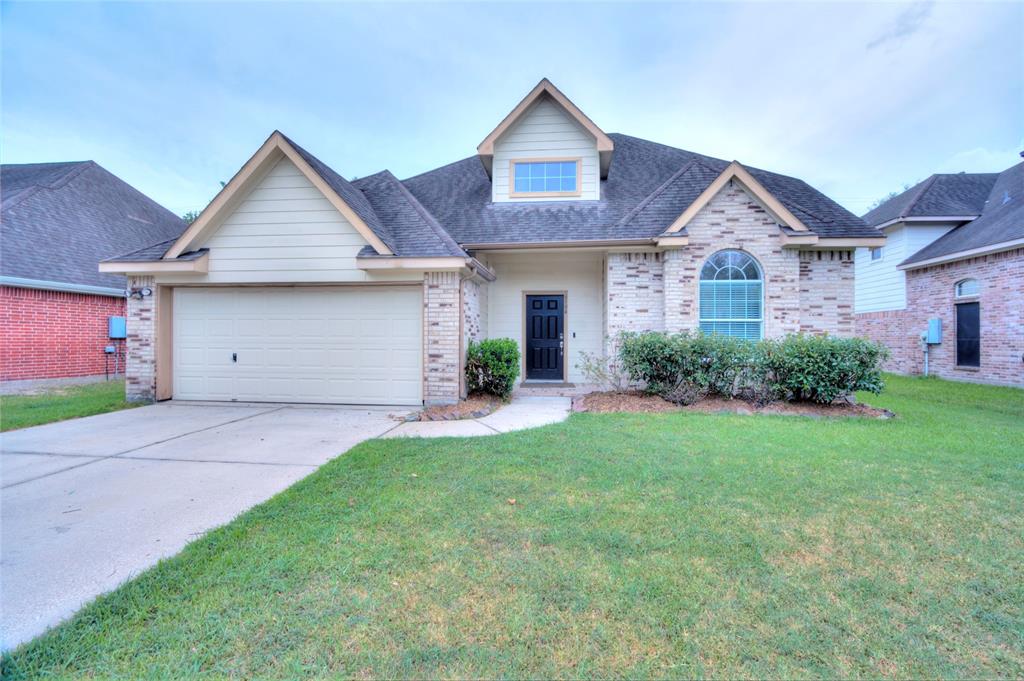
638,545
22,411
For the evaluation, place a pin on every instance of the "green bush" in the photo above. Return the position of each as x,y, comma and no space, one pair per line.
821,368
685,367
492,366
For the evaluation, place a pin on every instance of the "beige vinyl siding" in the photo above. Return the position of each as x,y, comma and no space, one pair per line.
546,131
580,275
879,285
286,231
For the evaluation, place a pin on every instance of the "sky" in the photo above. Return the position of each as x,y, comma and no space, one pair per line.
858,99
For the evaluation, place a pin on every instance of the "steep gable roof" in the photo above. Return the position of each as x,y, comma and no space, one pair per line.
59,220
545,88
1001,221
950,195
348,200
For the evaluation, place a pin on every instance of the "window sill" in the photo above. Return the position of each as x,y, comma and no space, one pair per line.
965,368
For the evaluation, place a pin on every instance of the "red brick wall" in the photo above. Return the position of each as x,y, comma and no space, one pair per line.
930,294
53,334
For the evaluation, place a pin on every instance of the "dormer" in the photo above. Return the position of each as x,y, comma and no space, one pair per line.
546,149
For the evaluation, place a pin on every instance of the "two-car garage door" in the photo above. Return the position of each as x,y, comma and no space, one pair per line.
346,345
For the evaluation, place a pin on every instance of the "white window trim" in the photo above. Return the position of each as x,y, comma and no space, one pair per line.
513,194
760,280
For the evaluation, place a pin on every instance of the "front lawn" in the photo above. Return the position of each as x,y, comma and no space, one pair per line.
612,545
59,404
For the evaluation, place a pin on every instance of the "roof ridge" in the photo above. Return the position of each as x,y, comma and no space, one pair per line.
657,192
78,168
431,221
925,186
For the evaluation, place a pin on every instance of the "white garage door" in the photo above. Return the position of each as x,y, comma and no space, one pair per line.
319,344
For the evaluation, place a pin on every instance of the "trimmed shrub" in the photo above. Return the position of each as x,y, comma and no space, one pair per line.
492,366
685,367
821,368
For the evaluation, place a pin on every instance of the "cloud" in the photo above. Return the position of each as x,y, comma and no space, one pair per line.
909,22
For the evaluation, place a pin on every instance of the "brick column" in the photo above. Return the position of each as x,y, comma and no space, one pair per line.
442,338
140,363
635,294
680,280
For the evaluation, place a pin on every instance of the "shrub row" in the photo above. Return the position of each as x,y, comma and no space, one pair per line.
685,367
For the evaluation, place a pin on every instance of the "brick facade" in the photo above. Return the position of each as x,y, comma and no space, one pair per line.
826,292
140,385
635,293
54,334
734,219
810,291
442,356
930,293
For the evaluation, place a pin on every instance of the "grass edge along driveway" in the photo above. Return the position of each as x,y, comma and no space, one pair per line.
60,404
637,545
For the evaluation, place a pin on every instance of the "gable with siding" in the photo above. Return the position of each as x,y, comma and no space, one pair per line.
285,231
547,130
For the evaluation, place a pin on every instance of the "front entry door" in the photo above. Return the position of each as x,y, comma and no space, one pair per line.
545,342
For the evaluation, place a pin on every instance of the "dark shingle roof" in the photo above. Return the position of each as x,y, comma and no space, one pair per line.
953,195
1001,219
459,196
414,230
59,220
648,186
155,252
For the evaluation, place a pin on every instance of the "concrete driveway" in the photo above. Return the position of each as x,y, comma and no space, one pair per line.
89,503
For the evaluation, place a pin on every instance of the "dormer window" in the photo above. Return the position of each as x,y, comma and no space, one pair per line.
545,178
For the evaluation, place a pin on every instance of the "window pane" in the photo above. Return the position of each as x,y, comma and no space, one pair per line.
536,184
967,287
522,183
569,169
546,176
568,184
552,184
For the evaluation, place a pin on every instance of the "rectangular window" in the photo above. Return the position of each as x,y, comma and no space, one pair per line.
731,308
968,335
556,177
876,253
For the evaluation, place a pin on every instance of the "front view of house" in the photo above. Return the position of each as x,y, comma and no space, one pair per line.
296,285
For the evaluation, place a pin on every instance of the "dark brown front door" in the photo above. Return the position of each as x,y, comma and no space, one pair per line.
545,331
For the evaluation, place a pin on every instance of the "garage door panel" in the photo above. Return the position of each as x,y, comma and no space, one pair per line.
331,344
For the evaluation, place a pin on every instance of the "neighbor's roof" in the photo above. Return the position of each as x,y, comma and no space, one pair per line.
649,185
1001,220
58,220
953,195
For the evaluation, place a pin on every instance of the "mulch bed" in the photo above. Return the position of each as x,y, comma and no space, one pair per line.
473,407
638,402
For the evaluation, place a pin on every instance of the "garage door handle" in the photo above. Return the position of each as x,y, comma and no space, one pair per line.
234,356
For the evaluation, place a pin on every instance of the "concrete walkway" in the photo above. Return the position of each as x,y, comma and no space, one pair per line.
525,411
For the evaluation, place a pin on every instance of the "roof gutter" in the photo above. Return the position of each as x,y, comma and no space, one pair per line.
433,264
43,285
961,255
504,246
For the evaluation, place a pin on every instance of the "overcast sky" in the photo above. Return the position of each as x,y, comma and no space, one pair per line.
857,99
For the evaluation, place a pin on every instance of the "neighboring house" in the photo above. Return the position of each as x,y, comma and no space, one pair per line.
298,285
954,252
57,221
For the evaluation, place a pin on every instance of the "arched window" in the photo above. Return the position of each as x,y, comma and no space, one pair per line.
731,295
967,288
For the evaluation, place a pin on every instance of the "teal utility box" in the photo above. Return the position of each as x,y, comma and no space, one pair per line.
934,334
116,327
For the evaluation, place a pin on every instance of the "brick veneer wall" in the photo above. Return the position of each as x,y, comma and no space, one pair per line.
733,219
442,360
930,293
54,334
826,292
140,383
635,293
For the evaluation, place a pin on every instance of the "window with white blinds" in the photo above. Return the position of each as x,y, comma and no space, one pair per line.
732,296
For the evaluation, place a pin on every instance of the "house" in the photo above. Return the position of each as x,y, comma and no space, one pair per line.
955,253
57,221
296,284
